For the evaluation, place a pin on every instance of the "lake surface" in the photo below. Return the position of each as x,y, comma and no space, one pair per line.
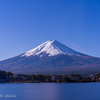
50,91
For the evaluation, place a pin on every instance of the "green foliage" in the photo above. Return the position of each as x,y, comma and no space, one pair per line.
98,75
3,74
88,79
48,78
66,79
9,73
32,77
39,77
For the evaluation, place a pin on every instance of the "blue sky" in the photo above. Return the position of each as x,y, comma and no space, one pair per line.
25,24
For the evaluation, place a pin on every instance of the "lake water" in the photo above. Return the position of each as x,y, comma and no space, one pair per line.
49,91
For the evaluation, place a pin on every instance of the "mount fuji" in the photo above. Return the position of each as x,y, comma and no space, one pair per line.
51,57
51,48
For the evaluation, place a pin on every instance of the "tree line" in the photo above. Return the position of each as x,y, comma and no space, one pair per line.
6,76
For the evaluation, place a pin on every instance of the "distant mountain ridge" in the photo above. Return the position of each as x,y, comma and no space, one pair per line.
51,57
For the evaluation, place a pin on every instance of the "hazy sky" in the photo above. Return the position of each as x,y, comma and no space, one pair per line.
25,24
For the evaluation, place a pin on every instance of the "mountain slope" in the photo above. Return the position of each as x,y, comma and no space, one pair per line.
51,48
51,56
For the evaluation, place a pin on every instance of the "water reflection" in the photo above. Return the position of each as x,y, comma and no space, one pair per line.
51,91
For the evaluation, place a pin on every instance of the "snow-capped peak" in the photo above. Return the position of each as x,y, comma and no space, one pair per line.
51,48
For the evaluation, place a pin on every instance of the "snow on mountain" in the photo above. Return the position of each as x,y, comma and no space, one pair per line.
51,48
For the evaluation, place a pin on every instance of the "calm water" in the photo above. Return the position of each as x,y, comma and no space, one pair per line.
50,91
